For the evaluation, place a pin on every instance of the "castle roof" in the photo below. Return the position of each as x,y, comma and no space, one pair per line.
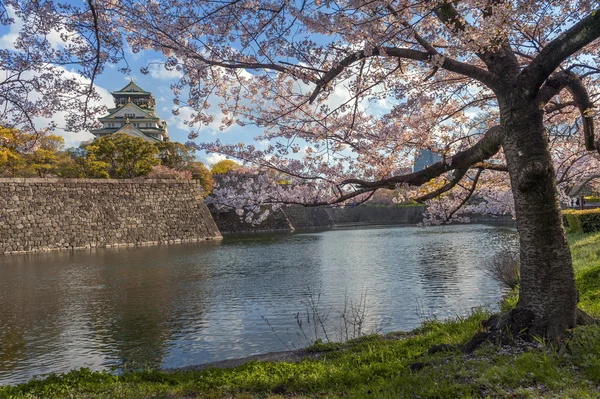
134,131
132,107
133,89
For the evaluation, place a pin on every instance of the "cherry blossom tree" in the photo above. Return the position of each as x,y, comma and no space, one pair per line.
346,92
56,53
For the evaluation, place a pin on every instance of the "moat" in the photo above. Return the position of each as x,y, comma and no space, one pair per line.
180,305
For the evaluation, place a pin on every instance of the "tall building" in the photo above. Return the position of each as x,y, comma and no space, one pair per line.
424,159
134,114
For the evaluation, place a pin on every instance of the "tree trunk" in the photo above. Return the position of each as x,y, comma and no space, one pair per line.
547,297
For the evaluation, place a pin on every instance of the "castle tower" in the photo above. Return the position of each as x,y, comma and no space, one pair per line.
134,114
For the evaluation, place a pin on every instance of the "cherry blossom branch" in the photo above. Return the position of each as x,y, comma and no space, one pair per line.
447,63
490,55
464,200
458,175
97,59
486,147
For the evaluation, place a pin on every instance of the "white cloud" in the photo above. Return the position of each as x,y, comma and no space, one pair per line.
214,158
8,40
157,71
185,114
74,139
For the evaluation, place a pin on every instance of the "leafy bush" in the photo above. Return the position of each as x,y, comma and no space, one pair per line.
586,221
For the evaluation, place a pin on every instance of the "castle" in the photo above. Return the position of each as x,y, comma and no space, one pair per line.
134,114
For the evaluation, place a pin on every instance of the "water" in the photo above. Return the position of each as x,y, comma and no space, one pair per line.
195,303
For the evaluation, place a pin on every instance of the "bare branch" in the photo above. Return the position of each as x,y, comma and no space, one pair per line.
490,166
554,53
581,99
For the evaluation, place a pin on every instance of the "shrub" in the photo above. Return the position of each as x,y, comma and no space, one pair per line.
162,172
586,221
504,268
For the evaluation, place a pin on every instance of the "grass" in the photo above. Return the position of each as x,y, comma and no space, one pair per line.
395,365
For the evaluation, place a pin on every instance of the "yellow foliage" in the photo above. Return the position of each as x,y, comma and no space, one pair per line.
224,166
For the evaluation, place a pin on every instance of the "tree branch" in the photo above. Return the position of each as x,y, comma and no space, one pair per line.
584,104
448,14
565,79
458,175
449,64
490,166
554,53
469,194
486,147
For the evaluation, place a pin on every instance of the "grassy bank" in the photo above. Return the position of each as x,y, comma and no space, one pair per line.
392,366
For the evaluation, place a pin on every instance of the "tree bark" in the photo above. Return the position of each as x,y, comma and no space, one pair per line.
548,296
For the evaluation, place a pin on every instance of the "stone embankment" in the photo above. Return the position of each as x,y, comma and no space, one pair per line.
55,214
298,217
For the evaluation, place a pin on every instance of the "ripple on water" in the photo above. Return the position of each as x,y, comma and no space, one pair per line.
188,304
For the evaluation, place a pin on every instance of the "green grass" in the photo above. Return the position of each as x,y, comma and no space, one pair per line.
380,366
585,251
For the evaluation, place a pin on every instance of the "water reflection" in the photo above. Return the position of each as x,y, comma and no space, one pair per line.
194,303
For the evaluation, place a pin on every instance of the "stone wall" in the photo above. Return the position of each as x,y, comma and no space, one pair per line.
302,217
297,217
230,222
376,214
54,214
391,214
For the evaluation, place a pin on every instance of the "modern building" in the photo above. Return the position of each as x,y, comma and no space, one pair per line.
134,114
425,158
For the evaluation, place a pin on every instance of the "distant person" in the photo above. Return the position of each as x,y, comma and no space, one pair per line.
577,202
572,202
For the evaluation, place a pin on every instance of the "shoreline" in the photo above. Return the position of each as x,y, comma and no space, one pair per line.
288,356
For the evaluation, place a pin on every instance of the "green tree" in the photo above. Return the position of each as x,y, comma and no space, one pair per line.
11,160
224,166
179,157
175,155
78,163
201,173
125,155
28,155
44,160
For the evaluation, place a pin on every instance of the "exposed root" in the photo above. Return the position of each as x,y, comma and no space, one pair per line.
584,319
518,324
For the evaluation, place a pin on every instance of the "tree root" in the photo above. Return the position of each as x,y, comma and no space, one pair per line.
584,319
518,324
